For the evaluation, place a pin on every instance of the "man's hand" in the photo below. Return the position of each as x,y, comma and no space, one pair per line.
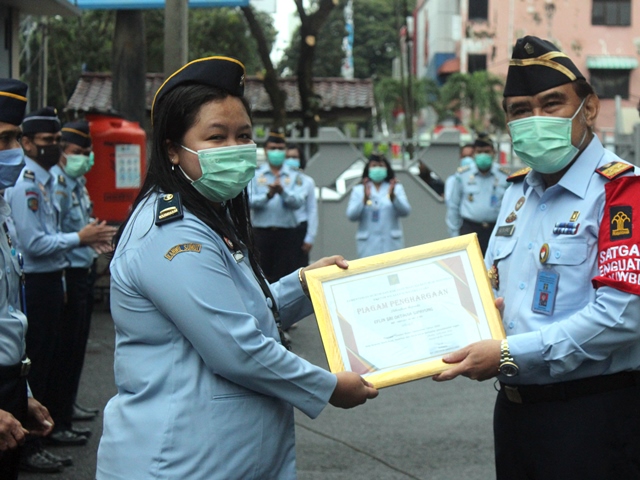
39,421
478,361
96,233
351,390
306,247
11,432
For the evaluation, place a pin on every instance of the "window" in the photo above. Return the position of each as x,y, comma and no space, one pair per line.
478,9
476,63
611,12
609,83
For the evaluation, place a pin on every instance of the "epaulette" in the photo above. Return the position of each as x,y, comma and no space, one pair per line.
29,175
505,170
463,169
519,175
169,208
62,181
612,170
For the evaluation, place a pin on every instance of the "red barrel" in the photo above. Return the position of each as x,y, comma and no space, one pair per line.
114,181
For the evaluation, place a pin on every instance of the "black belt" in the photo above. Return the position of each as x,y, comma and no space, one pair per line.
15,371
483,225
555,392
273,229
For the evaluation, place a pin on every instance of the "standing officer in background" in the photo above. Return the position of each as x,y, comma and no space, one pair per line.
466,160
564,256
476,193
276,193
75,211
38,238
307,214
18,409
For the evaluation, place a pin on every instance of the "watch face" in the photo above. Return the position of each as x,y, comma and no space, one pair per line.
509,369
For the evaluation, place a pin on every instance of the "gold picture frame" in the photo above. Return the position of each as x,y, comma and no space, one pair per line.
391,317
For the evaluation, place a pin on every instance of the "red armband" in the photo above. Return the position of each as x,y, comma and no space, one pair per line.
619,238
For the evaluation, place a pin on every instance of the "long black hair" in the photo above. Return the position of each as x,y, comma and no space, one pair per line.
174,115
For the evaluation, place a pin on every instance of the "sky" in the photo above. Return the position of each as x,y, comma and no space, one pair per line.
284,24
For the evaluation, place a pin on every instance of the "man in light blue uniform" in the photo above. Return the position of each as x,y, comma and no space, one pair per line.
276,192
307,214
17,406
564,256
476,193
38,237
466,159
75,208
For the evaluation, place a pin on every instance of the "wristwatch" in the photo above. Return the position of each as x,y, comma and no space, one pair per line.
508,366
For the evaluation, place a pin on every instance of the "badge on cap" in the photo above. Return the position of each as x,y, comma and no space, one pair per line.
529,48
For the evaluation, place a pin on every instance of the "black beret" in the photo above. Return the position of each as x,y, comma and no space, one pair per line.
537,65
275,136
44,120
77,133
13,100
483,140
222,72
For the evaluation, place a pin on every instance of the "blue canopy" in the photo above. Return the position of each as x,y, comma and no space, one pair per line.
151,4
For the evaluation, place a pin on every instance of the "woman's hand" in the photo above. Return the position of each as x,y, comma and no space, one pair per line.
392,186
323,262
351,390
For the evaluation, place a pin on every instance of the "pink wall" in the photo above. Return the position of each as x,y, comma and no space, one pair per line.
571,30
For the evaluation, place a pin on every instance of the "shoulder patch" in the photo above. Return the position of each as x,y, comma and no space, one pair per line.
463,169
612,170
181,248
169,208
505,170
29,175
519,175
33,204
62,181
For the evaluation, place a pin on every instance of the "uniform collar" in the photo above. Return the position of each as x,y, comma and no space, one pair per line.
42,175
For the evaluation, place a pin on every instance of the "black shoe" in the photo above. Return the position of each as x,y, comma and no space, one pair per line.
66,461
85,432
65,438
95,411
39,463
80,415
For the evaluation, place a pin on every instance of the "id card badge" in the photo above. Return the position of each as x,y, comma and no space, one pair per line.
544,296
494,201
375,215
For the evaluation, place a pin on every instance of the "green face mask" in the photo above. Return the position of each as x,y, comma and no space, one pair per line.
226,171
377,174
275,157
483,161
78,165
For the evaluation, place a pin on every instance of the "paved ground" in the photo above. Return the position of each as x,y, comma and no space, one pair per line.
419,430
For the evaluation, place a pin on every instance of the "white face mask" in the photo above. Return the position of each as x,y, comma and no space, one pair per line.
226,171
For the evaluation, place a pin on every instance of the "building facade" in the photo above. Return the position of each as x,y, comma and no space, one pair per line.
602,37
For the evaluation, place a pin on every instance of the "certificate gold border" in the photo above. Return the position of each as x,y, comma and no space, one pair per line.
327,325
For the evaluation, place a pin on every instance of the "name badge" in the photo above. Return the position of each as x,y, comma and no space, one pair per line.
505,231
544,296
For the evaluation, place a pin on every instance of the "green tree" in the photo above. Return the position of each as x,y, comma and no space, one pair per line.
388,97
480,93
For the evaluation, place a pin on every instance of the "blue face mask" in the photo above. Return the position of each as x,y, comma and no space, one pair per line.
377,174
275,157
466,161
11,164
544,143
292,162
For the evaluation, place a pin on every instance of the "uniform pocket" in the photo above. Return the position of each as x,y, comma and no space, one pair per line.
567,252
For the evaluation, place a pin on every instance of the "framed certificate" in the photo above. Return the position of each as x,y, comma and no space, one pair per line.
392,317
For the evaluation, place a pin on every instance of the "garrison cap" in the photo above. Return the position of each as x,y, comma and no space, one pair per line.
483,140
44,120
276,136
13,100
537,65
222,72
77,133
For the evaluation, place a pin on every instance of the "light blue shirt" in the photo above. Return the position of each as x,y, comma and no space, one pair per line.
590,332
205,389
474,196
279,210
379,228
75,208
13,323
36,221
309,211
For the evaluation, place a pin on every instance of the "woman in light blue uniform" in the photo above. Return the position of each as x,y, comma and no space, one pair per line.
378,203
205,386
